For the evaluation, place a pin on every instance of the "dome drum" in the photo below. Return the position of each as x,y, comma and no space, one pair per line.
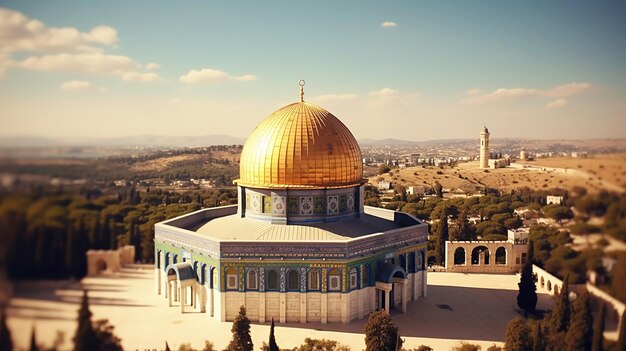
301,206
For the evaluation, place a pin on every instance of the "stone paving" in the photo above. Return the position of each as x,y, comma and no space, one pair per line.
470,307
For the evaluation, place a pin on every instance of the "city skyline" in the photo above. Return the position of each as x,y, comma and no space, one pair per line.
527,70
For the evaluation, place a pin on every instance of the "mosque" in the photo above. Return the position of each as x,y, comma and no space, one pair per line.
300,246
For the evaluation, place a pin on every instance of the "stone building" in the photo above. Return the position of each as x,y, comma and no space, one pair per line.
300,246
485,256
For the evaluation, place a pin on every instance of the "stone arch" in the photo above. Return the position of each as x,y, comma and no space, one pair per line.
556,289
549,285
293,280
501,255
203,275
412,263
543,283
195,269
388,271
175,259
480,252
459,256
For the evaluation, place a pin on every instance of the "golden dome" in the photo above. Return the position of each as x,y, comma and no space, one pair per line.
301,146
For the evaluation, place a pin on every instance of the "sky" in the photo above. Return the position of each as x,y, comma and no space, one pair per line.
412,70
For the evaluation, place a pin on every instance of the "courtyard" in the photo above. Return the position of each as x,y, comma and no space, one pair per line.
469,307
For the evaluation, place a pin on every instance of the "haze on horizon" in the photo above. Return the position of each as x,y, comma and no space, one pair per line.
410,70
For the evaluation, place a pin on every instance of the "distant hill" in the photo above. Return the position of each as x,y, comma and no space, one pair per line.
129,141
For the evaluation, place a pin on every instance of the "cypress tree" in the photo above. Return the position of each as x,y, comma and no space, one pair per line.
167,347
33,341
241,333
560,315
273,346
527,296
517,337
381,333
85,338
6,344
580,332
442,237
539,341
597,343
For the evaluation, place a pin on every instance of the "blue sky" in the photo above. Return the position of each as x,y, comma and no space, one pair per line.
411,70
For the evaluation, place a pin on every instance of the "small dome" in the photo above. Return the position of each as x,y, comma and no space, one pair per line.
301,146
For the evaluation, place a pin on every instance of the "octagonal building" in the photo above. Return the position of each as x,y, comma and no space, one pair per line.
299,246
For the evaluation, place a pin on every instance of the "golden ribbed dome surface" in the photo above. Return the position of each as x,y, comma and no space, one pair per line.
302,146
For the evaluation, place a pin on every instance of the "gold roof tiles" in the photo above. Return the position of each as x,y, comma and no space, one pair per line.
301,146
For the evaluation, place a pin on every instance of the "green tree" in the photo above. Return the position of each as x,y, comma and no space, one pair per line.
517,336
527,296
6,344
380,333
438,190
33,341
597,343
85,338
538,337
241,340
558,212
559,319
107,340
382,169
580,332
442,237
273,346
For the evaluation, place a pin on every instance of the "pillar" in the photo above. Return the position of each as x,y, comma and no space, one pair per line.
283,307
262,307
169,293
387,300
175,290
157,273
303,297
405,287
183,298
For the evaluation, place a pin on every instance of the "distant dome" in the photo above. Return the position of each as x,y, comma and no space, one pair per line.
301,146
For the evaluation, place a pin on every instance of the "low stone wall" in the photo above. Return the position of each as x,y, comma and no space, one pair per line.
109,261
484,261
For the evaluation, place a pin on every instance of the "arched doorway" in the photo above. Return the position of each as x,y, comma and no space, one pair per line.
459,256
480,256
501,255
391,287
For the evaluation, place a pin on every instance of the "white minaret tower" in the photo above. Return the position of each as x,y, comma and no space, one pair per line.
484,148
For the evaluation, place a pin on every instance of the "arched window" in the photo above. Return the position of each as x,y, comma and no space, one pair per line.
365,275
251,280
480,252
403,261
167,260
501,255
420,260
334,280
175,260
293,283
272,280
232,278
459,256
215,283
353,279
314,279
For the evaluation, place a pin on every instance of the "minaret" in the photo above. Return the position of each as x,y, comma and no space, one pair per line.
484,148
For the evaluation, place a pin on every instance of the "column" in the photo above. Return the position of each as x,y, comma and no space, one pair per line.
175,290
405,287
183,298
283,307
169,293
387,300
157,273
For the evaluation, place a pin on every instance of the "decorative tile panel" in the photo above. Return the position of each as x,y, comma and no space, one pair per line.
255,203
282,280
279,205
350,202
306,205
261,279
333,205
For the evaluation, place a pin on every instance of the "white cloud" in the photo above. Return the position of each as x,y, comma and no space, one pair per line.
472,91
141,77
63,49
518,93
388,24
19,33
328,98
152,66
209,75
98,63
386,96
80,85
556,103
569,89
